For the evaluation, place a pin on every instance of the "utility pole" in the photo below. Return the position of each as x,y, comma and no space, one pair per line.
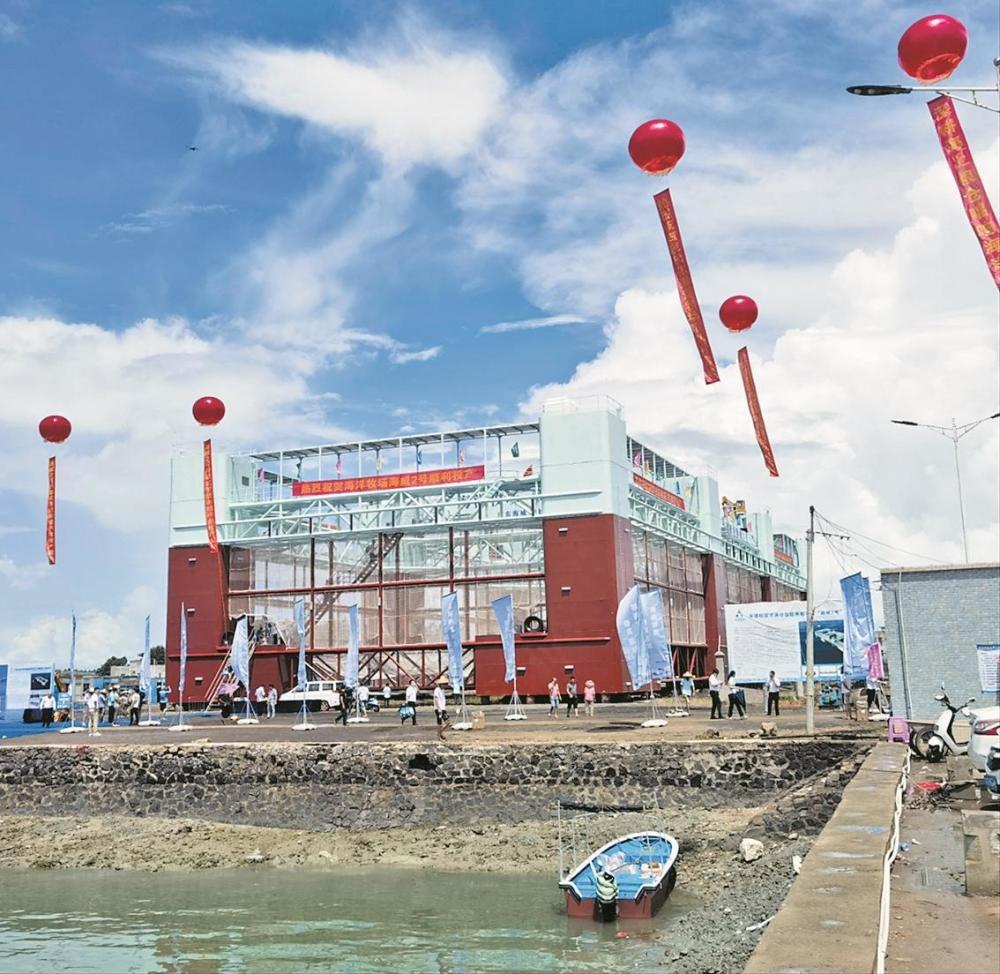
810,612
958,480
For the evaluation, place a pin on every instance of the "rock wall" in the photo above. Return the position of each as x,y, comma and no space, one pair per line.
371,786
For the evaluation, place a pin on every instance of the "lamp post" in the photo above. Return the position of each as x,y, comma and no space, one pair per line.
953,433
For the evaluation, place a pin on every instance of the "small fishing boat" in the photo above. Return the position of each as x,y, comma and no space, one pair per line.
630,877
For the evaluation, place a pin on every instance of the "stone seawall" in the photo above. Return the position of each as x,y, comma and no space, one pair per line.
376,786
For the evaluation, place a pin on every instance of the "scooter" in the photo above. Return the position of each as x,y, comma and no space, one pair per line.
937,741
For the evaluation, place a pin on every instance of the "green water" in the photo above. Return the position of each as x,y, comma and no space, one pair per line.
375,920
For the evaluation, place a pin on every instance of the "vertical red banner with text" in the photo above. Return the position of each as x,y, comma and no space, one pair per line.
50,514
750,388
970,186
209,487
685,286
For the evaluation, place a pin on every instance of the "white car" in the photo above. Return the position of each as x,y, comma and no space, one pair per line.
318,695
985,734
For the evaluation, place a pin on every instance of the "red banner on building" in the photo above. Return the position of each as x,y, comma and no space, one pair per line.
685,286
50,514
783,556
755,414
970,186
658,492
209,489
395,481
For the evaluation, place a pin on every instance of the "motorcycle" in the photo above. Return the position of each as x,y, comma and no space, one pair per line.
938,740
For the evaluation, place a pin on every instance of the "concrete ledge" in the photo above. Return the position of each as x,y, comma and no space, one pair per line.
982,853
829,922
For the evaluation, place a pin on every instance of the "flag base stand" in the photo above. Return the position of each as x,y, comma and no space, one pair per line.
654,722
464,722
248,720
358,720
149,723
176,728
72,730
465,725
514,709
303,727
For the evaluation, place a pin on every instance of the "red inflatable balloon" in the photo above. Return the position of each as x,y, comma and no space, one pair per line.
738,313
208,410
656,146
55,429
933,47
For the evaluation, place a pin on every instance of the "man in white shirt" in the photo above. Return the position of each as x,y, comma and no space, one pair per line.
411,700
387,694
440,709
48,709
363,694
260,699
93,703
715,688
272,700
773,694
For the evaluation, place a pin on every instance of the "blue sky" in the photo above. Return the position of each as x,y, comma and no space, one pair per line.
377,186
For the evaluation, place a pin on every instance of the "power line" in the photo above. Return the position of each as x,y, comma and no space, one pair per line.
883,544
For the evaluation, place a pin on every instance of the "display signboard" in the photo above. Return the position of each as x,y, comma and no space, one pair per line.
988,657
660,493
765,636
394,481
26,685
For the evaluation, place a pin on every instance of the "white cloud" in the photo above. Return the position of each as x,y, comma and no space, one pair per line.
9,29
99,633
401,356
20,577
159,217
906,331
425,99
533,324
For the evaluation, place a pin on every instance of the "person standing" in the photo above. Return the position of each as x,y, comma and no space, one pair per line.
773,687
343,704
162,696
387,694
112,706
92,701
554,699
364,695
845,693
411,701
134,706
572,705
48,709
272,700
687,689
871,692
735,696
440,709
260,701
714,689
589,697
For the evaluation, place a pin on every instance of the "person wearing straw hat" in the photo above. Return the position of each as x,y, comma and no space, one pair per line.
589,697
441,707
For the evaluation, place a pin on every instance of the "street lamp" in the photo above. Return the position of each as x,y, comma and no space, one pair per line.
953,433
874,91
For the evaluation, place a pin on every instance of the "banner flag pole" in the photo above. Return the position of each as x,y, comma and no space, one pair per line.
72,729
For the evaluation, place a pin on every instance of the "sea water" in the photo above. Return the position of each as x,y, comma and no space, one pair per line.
377,919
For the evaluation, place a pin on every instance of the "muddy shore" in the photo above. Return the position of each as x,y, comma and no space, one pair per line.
732,895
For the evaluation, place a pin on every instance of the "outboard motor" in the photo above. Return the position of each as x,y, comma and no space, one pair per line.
606,906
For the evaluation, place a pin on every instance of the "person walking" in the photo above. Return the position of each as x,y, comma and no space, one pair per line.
344,702
773,687
92,701
715,689
846,694
735,696
411,701
572,705
260,701
134,706
112,706
272,700
441,710
554,699
589,697
687,689
871,692
48,709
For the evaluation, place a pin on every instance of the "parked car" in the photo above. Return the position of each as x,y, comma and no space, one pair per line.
318,695
985,734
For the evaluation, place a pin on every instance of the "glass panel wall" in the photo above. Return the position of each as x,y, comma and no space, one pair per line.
678,573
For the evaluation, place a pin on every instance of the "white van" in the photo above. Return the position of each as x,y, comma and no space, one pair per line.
319,695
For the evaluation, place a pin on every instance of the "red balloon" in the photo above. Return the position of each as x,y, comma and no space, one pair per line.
208,410
933,47
656,146
55,429
738,313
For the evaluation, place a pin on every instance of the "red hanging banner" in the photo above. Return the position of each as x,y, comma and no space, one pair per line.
209,488
50,514
755,414
970,187
685,286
